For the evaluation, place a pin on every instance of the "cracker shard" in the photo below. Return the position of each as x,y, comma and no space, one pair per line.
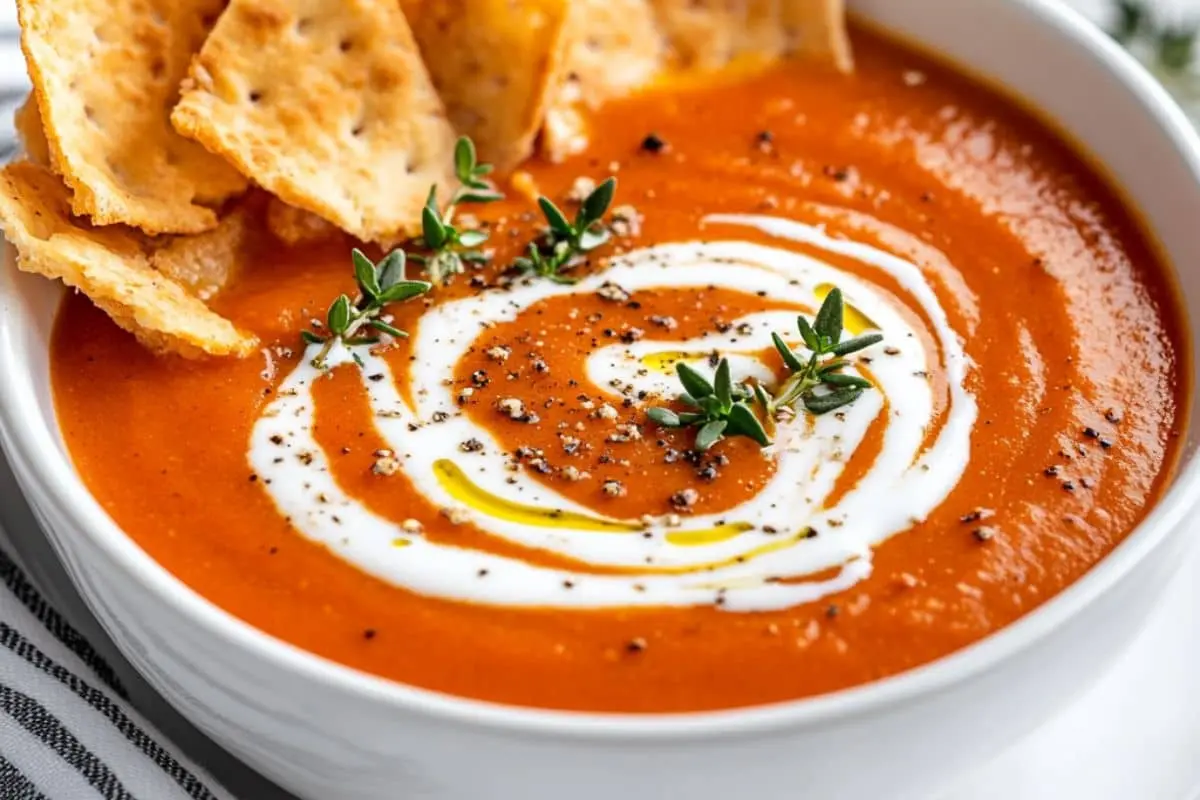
206,263
105,74
613,47
295,226
816,30
496,65
108,265
707,34
326,104
28,123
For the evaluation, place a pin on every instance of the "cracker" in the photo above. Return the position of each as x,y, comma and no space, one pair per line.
708,34
614,46
816,29
105,73
295,226
28,123
495,64
205,263
326,104
109,266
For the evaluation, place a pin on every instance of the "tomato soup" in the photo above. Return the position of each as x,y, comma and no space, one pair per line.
486,509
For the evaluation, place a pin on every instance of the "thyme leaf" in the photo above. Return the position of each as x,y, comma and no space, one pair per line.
362,320
724,408
566,240
449,246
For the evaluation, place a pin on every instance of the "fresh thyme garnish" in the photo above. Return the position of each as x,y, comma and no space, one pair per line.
449,246
362,321
566,240
723,408
823,338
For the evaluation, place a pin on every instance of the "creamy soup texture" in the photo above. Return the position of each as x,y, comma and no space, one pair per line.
485,508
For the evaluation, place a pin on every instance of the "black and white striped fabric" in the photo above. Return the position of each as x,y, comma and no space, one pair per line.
67,730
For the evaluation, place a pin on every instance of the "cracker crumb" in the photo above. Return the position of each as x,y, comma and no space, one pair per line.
386,466
614,488
626,221
612,292
574,474
581,188
669,323
685,498
511,406
625,432
455,514
606,411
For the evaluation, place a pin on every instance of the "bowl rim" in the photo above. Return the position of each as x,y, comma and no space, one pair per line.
39,459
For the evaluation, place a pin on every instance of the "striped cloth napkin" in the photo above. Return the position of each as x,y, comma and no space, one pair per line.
67,730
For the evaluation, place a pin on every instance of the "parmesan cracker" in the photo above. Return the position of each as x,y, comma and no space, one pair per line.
204,264
105,74
109,266
614,47
708,34
816,29
295,226
28,123
496,64
326,104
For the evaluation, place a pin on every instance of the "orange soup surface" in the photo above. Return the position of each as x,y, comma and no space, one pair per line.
1049,443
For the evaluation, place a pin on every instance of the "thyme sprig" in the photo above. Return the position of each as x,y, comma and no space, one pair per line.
565,241
450,246
362,320
724,408
823,368
721,408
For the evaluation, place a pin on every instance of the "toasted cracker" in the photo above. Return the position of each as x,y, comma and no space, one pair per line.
205,264
28,123
295,226
708,34
326,104
496,64
816,29
109,266
614,46
106,73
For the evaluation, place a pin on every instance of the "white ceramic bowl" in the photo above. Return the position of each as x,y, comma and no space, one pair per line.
327,732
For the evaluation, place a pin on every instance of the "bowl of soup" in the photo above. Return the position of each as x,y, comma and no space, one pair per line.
834,449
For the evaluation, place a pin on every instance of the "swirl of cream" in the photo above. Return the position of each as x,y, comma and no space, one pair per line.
763,554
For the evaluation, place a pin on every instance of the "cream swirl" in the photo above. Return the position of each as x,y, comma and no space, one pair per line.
755,556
